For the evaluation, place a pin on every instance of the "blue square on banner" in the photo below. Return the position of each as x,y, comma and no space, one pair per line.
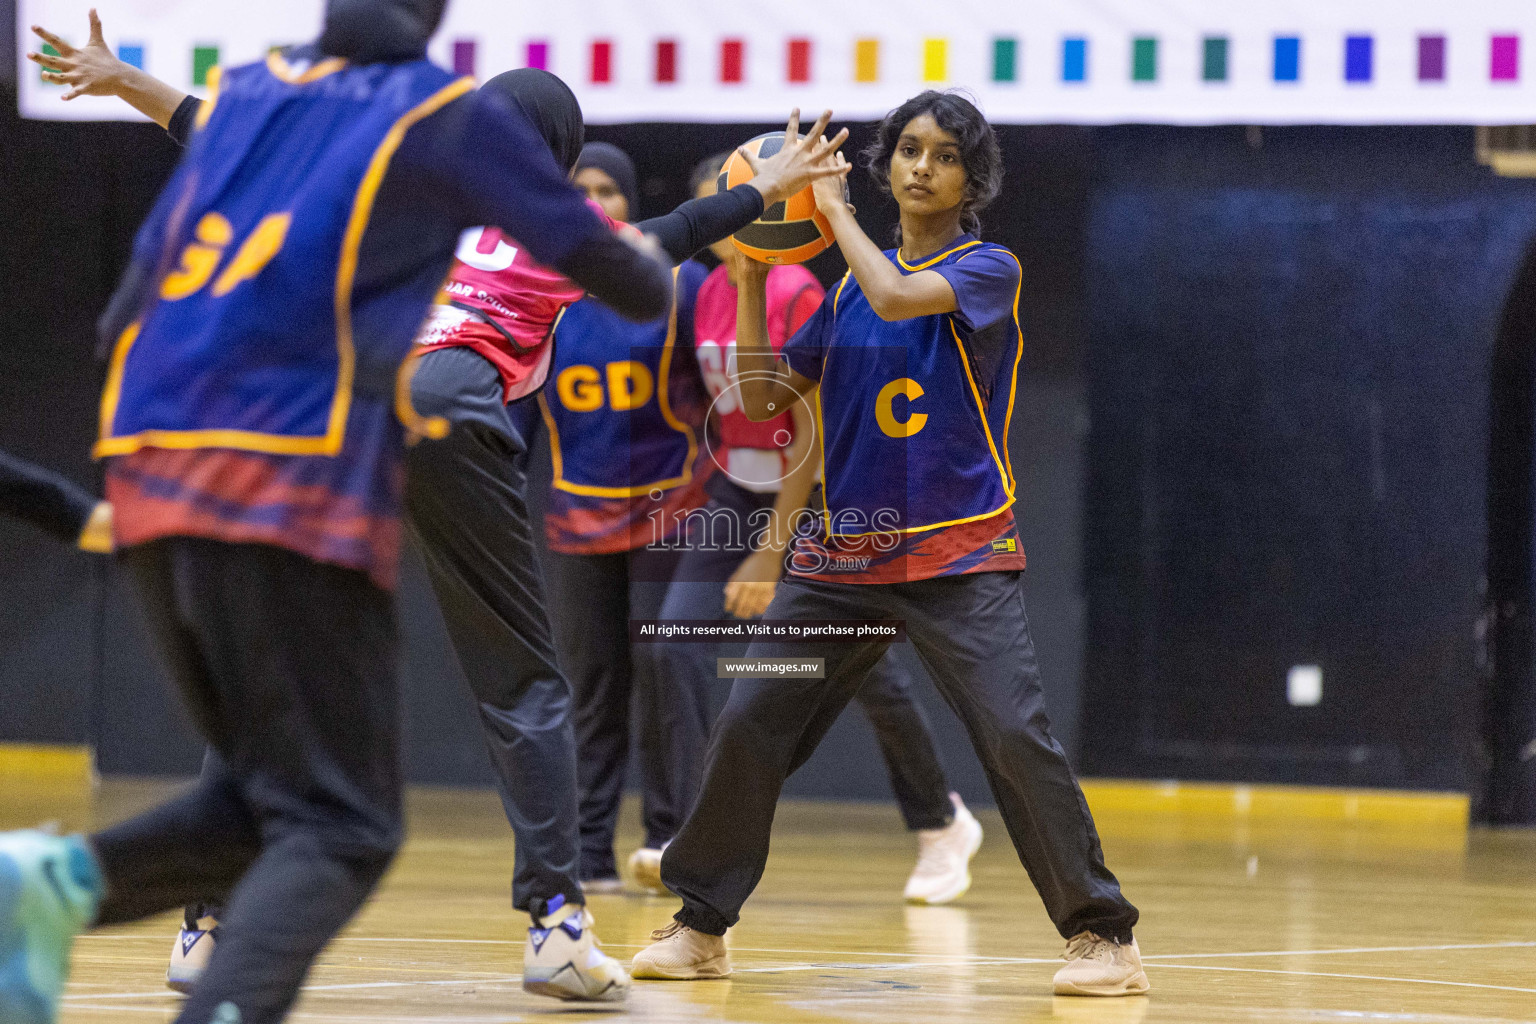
131,53
1357,58
1287,59
1074,60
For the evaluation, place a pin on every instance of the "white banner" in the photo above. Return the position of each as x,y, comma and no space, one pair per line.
1026,61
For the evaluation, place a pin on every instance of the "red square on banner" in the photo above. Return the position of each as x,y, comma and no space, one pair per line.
731,59
602,62
666,60
799,60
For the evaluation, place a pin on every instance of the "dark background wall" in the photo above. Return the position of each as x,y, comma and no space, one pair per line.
1289,374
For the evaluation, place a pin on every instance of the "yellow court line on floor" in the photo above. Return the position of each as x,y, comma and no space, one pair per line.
47,761
1207,799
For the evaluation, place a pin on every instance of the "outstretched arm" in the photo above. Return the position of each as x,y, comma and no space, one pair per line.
490,166
701,222
768,385
93,70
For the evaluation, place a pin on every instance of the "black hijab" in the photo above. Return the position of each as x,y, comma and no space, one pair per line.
549,105
380,31
615,163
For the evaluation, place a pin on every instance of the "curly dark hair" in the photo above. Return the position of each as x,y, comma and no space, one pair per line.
979,153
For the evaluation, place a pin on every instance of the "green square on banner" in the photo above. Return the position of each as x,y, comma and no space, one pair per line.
1215,63
1005,60
1144,59
48,51
204,59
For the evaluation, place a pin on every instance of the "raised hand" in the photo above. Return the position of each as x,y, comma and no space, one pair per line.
831,191
90,70
800,162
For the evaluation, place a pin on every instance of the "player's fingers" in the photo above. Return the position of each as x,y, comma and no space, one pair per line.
731,591
792,130
753,160
78,90
52,40
96,35
47,61
826,145
820,127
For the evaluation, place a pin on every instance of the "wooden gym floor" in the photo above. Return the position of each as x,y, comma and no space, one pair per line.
1288,911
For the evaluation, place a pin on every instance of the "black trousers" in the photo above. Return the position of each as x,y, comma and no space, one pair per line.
698,592
593,598
466,507
288,669
972,635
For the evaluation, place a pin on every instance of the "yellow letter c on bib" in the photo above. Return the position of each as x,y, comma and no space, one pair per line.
885,416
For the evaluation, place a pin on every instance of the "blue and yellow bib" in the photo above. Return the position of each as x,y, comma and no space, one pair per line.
623,420
913,424
247,342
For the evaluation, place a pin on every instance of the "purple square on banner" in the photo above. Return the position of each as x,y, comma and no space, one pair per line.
464,56
538,55
1504,59
1431,58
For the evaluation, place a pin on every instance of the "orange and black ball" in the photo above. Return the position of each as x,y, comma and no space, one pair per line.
789,232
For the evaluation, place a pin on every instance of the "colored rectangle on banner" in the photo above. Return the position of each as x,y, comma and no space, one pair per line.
1504,59
464,56
602,62
47,51
131,53
1144,59
1431,58
799,60
866,60
666,61
538,54
1287,59
732,53
1213,67
1005,60
1074,60
1358,58
204,60
935,60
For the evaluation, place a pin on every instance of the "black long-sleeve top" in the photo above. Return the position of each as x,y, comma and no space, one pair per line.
682,233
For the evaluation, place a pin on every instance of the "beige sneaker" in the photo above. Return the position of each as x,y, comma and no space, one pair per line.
678,953
1098,967
943,871
645,869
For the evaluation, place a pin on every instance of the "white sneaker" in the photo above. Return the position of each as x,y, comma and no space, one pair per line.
678,953
190,955
563,958
1099,967
943,871
645,869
